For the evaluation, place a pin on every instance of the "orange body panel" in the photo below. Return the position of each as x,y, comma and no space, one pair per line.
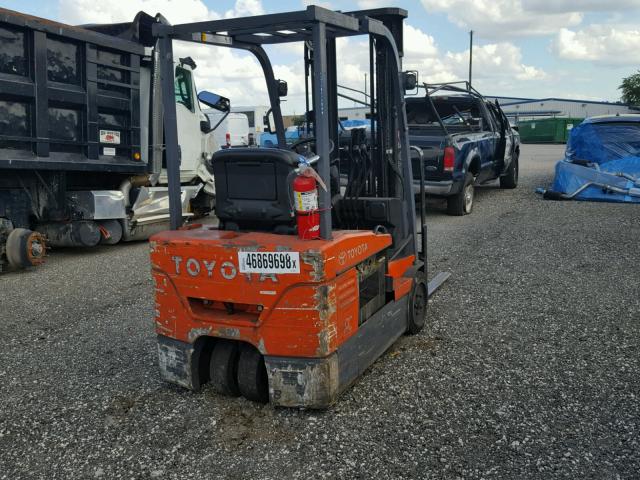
401,284
200,290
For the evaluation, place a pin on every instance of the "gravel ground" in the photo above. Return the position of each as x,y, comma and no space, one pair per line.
528,369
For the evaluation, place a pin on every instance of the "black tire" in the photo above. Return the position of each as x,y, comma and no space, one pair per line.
252,375
462,203
223,368
510,178
418,306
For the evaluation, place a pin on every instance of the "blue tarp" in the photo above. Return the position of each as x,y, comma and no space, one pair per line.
605,152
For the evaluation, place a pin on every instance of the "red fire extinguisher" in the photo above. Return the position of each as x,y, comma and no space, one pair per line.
305,194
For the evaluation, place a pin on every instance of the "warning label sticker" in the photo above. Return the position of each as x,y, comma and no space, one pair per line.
307,201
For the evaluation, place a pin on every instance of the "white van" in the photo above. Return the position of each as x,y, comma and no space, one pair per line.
232,130
256,119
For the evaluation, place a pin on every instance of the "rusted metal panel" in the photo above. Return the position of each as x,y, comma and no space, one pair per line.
303,382
175,360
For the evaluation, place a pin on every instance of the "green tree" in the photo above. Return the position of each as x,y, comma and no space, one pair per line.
631,89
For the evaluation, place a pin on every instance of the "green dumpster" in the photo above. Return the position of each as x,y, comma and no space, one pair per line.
547,130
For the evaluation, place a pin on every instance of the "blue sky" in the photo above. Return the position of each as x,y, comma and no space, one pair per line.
525,48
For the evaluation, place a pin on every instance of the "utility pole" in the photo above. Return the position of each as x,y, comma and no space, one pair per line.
365,87
470,56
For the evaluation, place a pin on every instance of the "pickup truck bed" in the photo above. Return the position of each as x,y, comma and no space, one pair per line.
466,141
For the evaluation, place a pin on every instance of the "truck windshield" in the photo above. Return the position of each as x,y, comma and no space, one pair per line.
183,90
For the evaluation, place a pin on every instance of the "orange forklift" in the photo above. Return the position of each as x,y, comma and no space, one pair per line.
314,268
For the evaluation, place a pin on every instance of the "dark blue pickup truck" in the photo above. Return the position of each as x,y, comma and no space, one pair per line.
466,141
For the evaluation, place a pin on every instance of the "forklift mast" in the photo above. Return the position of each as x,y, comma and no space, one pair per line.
390,174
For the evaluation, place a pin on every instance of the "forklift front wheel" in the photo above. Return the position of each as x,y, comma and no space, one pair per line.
417,311
252,375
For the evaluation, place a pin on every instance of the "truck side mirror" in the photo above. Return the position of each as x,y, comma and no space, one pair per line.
409,80
215,101
283,88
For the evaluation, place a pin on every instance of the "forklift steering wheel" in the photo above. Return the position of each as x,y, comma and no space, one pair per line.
304,141
301,142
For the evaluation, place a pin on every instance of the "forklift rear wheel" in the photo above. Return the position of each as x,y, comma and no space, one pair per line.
462,203
223,368
252,375
418,301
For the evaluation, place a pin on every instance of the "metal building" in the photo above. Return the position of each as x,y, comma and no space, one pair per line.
519,109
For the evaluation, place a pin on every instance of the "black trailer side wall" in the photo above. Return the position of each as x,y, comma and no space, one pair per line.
69,98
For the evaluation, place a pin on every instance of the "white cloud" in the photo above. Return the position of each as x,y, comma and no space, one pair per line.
245,8
494,61
90,11
238,75
505,18
606,44
564,6
366,4
319,3
231,73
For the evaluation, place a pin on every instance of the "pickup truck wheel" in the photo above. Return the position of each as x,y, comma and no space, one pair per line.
462,203
510,179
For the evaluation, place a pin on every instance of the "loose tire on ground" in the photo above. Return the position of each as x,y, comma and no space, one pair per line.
223,368
25,248
418,306
462,203
252,375
510,178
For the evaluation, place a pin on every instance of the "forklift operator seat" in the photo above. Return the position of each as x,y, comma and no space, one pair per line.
253,188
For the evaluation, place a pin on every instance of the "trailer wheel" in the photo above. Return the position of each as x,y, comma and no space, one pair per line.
223,368
417,308
252,375
25,248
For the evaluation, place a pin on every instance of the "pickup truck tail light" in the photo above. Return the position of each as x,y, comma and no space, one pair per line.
449,159
228,139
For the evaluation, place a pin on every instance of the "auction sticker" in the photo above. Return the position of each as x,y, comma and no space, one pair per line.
269,262
110,136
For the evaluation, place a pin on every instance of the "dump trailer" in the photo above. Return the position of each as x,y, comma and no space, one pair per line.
289,299
78,162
